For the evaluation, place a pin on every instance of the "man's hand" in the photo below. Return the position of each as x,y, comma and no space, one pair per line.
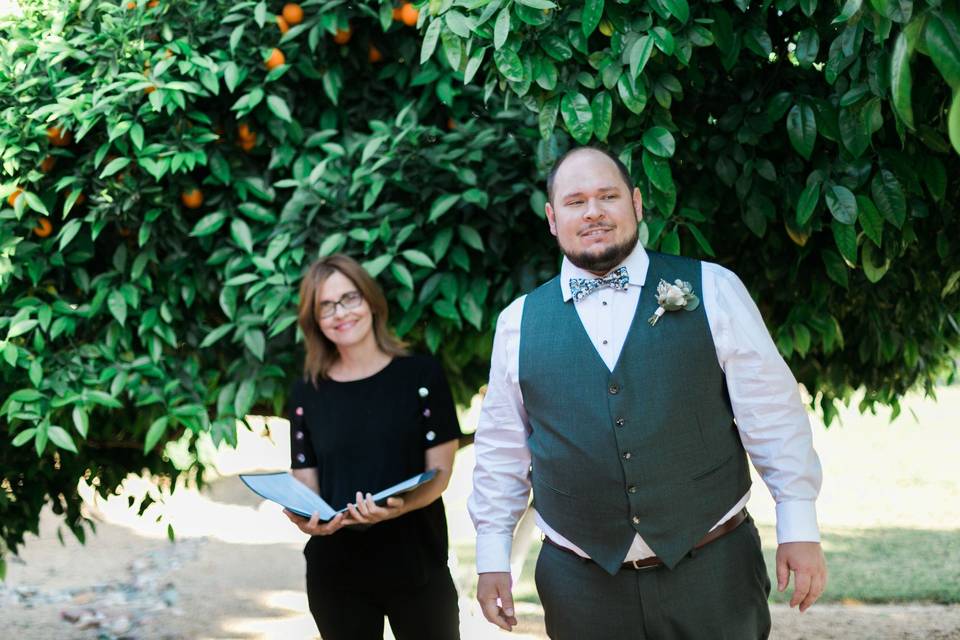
313,526
806,561
496,599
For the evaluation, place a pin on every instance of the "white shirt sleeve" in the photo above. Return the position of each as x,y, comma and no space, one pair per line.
772,420
501,480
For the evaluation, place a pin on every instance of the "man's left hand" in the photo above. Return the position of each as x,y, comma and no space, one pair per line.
806,561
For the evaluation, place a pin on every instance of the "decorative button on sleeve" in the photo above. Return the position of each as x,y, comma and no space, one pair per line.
423,391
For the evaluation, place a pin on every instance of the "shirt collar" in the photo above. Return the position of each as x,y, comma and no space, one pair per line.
636,263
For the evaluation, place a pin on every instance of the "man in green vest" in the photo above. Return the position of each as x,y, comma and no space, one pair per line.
627,393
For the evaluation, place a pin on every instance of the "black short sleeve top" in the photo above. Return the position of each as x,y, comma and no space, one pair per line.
369,434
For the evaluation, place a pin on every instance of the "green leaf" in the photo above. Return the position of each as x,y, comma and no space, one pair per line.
240,233
243,401
953,121
23,437
502,28
114,166
639,55
632,94
470,237
670,243
509,64
850,8
802,129
25,395
845,236
835,266
901,84
602,108
332,243
402,274
212,337
430,39
701,240
537,4
21,327
590,15
842,204
235,37
547,119
208,224
136,136
889,198
679,9
154,433
418,258
279,108
81,421
801,339
577,116
659,141
60,437
68,232
808,44
870,219
441,205
941,35
118,306
375,266
807,204
254,341
875,266
664,40
472,312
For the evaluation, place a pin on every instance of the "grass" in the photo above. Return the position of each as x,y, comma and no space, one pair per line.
866,565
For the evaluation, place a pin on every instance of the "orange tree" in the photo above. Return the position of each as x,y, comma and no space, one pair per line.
169,169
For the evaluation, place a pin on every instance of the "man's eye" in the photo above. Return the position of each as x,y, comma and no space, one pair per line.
574,203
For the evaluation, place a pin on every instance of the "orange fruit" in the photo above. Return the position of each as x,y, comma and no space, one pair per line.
149,90
343,36
44,228
244,132
131,5
12,198
375,55
292,13
451,124
168,53
80,199
48,163
58,138
153,4
247,144
409,14
275,60
283,24
124,232
397,14
192,199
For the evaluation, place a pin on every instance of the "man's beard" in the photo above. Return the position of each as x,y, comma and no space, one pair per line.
607,259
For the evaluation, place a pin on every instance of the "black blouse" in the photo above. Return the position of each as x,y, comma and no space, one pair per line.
367,435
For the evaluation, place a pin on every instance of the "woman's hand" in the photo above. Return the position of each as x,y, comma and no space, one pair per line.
366,511
313,526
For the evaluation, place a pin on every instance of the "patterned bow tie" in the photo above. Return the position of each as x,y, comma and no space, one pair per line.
580,288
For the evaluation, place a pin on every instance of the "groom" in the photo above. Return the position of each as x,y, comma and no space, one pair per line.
632,425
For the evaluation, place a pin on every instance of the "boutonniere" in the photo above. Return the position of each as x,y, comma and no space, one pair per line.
673,297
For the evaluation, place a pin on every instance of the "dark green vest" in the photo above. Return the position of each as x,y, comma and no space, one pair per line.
650,448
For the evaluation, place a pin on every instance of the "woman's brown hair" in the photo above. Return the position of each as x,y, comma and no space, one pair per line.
321,352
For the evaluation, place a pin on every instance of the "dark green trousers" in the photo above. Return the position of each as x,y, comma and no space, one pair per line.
718,592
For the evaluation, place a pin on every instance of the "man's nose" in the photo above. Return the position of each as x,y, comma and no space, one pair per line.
592,210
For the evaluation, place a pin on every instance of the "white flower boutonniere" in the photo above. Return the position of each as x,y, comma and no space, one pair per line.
673,297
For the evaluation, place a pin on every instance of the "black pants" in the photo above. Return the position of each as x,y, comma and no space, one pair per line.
355,612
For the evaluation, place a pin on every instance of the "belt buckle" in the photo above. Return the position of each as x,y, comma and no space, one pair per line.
642,567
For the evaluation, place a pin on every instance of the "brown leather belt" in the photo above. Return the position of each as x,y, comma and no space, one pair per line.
652,562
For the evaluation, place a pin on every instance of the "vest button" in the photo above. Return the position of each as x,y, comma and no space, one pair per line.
632,489
620,422
636,519
614,389
627,455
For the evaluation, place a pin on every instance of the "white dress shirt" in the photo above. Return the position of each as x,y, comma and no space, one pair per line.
765,397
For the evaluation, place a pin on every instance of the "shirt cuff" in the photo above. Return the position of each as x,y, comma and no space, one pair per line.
493,553
797,522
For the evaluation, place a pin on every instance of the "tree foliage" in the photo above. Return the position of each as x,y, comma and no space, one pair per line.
169,169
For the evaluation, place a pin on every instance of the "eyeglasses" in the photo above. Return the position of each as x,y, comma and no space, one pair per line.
349,300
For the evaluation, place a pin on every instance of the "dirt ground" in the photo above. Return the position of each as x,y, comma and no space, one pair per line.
124,584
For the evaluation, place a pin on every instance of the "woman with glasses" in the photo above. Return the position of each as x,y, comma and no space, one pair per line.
367,415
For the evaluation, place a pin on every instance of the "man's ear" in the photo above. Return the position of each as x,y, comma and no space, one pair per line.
638,203
551,218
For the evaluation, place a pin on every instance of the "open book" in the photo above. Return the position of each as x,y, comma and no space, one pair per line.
287,491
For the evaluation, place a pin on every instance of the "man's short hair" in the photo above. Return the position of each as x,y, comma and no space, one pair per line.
624,173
